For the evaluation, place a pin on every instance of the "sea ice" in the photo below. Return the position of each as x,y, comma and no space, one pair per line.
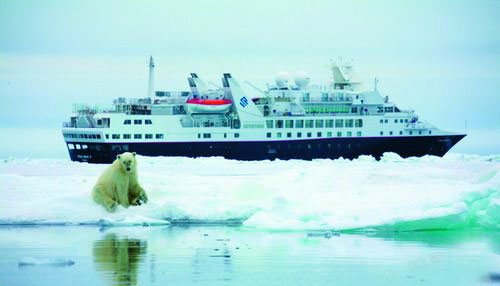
457,191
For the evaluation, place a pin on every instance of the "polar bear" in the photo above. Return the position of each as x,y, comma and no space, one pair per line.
118,184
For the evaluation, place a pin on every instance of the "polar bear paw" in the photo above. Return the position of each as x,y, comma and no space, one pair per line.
141,199
112,207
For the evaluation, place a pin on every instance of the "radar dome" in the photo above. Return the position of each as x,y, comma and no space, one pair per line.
282,79
302,79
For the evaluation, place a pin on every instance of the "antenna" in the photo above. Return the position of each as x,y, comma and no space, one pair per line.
332,64
375,84
151,77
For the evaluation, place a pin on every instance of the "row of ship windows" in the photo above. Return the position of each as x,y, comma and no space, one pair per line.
77,146
395,120
401,132
82,136
309,134
97,147
235,135
381,109
317,145
318,123
137,122
288,134
136,136
209,135
113,136
289,146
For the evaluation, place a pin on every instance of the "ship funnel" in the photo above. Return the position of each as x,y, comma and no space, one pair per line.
198,86
344,76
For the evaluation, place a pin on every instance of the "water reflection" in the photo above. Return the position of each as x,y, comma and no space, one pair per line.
118,258
212,262
209,255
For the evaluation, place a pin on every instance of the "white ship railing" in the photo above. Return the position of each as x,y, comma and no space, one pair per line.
336,99
89,109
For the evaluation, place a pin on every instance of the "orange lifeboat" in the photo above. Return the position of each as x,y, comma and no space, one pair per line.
196,105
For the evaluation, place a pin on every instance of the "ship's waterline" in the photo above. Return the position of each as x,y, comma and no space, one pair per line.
331,148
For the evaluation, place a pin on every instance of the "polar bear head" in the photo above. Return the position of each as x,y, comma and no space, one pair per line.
127,161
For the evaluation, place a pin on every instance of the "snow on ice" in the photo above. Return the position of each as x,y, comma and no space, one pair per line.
457,191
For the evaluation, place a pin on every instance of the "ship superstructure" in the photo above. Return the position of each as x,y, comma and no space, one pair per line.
285,121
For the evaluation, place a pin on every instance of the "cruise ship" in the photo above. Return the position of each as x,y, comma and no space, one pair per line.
286,120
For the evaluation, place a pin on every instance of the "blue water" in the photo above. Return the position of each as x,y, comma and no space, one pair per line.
215,255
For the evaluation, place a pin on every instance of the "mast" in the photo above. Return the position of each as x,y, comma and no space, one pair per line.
151,78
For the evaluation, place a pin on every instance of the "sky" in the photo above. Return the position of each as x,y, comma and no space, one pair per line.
441,58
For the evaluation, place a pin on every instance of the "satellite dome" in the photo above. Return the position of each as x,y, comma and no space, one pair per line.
302,79
282,79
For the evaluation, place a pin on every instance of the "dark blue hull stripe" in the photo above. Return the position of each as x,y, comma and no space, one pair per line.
347,147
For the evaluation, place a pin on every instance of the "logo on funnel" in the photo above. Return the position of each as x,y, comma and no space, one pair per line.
243,102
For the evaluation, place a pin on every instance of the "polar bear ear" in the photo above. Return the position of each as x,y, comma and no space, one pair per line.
133,153
118,157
